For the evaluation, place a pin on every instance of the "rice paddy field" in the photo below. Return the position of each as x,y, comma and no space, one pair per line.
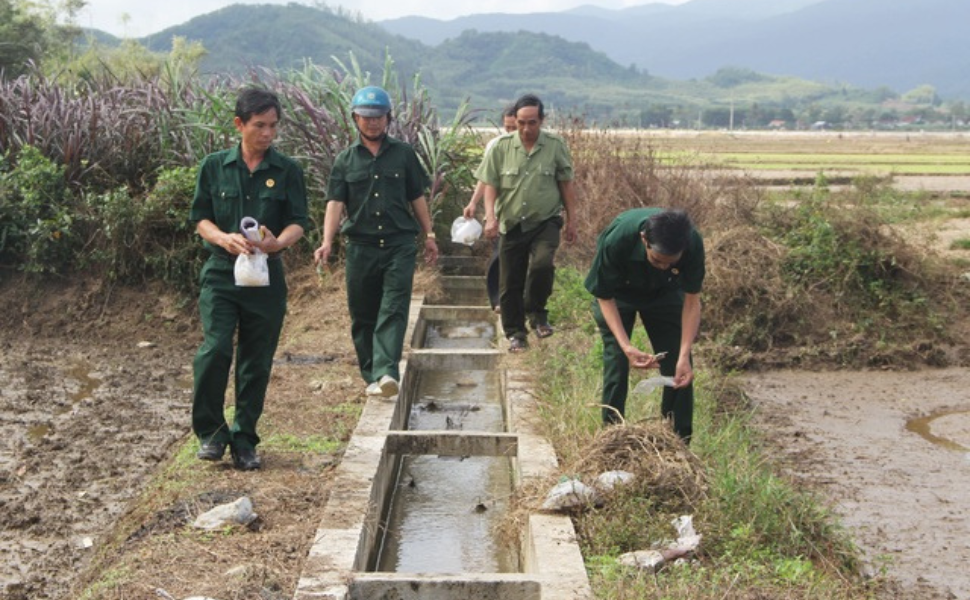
880,154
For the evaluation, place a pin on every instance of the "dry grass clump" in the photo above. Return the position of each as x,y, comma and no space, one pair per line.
747,301
668,480
661,463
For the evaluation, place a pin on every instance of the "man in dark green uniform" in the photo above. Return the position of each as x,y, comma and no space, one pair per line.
649,262
528,185
249,180
379,184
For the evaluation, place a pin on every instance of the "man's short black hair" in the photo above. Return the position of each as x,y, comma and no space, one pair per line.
253,101
508,111
668,232
529,100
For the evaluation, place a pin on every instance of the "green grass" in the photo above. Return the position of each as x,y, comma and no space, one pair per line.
316,444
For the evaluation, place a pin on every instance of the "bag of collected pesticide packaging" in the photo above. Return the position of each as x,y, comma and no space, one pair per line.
251,270
466,231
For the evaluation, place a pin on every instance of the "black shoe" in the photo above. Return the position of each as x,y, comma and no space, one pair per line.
211,451
245,459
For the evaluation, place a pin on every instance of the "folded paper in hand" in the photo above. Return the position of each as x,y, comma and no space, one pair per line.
251,270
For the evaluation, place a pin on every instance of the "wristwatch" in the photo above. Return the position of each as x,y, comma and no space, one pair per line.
429,236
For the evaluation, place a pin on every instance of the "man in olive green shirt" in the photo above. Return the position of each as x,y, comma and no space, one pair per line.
649,262
528,183
379,183
249,180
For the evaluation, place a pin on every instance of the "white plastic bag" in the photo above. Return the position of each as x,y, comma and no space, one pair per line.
645,386
609,480
251,270
466,231
570,494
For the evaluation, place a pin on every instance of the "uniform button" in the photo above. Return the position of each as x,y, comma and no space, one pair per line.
380,227
375,176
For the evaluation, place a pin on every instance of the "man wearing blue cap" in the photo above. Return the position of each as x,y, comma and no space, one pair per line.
253,180
379,185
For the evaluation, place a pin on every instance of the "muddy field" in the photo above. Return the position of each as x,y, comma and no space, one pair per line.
95,396
891,452
81,428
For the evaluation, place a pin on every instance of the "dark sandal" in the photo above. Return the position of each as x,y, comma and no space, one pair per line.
544,330
517,345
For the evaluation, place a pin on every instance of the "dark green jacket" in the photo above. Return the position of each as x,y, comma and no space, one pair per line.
621,271
378,191
225,192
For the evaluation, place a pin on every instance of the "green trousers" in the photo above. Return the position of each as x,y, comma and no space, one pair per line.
379,282
662,321
526,273
256,313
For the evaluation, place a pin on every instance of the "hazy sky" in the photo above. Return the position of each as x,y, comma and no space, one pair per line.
142,17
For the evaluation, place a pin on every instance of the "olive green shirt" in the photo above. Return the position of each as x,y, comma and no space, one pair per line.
377,192
621,271
274,194
527,183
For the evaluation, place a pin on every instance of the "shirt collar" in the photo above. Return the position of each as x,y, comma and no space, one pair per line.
234,155
517,140
384,144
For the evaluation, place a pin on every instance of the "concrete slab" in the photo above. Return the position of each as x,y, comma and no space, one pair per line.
378,586
452,443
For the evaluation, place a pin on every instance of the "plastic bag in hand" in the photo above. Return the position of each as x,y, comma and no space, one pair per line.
251,270
466,231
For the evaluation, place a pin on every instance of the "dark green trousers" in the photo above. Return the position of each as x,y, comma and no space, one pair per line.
379,282
256,313
662,321
526,273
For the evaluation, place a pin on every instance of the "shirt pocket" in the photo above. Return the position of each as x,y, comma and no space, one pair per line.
226,205
509,177
358,185
272,207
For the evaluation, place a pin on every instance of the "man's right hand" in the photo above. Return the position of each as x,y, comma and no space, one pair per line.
469,212
321,256
491,229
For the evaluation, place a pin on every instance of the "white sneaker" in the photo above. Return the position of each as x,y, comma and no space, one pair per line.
373,389
388,386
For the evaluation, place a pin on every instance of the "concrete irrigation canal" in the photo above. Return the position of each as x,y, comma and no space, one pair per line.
426,478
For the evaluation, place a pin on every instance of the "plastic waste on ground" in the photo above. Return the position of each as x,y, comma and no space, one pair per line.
466,231
687,542
608,480
251,270
645,386
570,493
239,512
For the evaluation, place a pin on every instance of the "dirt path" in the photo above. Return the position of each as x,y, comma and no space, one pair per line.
892,452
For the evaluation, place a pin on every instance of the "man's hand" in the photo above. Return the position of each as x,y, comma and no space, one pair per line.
570,232
236,244
491,229
321,256
430,251
684,373
469,212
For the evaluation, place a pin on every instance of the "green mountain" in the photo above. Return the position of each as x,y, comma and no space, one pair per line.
492,68
243,35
